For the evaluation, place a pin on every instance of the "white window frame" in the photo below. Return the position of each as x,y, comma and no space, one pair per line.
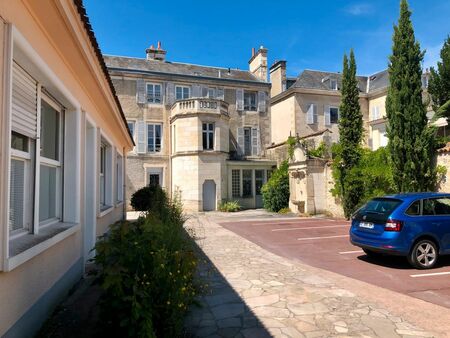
119,177
105,202
211,92
151,97
147,128
184,89
208,131
57,164
333,84
26,158
15,252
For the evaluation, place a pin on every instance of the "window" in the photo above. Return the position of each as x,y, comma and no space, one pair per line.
247,183
208,136
119,177
414,209
375,112
50,183
154,177
436,206
20,185
247,141
250,101
236,183
154,138
211,93
181,92
131,128
259,181
102,175
334,115
153,93
333,84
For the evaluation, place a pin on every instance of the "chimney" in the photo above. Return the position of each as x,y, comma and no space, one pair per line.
156,54
258,63
278,77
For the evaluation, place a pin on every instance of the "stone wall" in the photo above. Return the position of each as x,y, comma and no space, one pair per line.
443,158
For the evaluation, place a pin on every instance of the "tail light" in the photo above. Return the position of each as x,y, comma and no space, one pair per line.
393,225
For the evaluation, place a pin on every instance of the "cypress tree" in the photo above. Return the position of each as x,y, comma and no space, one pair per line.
411,140
350,137
439,84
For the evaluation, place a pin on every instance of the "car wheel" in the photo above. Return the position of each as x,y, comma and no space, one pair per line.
371,253
424,254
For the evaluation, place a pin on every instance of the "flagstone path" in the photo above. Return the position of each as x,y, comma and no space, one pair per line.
254,293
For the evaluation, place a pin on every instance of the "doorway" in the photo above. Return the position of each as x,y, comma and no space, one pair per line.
209,195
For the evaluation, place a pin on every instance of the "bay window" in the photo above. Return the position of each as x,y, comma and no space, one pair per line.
181,92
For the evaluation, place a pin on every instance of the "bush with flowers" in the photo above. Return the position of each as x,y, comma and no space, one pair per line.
146,270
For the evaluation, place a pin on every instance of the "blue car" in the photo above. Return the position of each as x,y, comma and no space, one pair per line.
415,225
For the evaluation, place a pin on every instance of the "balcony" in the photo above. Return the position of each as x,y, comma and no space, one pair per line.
199,105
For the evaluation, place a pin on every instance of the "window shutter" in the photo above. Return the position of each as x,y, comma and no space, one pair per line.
255,141
24,103
220,94
262,102
240,140
315,117
163,97
195,91
204,91
239,99
140,91
327,115
310,114
141,137
170,93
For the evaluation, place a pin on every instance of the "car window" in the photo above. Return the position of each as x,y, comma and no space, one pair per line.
414,209
428,207
377,210
442,206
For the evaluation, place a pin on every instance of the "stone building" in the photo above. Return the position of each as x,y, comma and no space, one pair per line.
309,104
200,131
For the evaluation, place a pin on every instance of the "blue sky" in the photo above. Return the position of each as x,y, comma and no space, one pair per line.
308,34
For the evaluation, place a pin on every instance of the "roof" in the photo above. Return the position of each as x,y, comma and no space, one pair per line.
176,68
87,26
315,79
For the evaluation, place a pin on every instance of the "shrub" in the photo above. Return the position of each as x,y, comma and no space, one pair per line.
370,178
229,206
150,198
284,211
276,191
146,270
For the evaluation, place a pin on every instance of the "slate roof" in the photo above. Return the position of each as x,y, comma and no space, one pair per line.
184,69
314,79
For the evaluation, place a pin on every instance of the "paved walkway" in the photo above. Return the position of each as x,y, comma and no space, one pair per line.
253,293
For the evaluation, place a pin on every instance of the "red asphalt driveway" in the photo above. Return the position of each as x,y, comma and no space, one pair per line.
324,243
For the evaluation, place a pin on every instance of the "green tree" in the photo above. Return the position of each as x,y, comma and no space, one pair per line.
439,83
411,141
350,137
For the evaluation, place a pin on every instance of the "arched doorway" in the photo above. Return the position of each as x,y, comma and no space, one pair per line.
209,195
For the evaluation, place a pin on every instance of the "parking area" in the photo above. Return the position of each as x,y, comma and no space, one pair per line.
324,243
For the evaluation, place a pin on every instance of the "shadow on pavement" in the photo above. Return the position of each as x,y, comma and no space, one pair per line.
220,311
399,262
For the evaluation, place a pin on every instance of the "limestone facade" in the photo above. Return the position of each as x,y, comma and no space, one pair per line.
197,129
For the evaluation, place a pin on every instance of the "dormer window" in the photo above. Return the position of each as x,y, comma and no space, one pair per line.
333,84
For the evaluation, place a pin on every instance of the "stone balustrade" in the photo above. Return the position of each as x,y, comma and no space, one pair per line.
200,105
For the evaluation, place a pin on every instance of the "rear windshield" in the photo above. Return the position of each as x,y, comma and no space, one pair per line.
377,210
